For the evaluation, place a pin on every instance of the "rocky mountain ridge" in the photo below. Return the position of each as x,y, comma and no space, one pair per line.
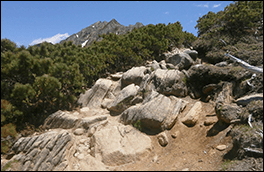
91,33
153,117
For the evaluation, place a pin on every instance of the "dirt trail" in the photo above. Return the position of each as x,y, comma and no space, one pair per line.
192,149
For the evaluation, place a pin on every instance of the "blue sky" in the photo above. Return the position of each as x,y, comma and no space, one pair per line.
31,22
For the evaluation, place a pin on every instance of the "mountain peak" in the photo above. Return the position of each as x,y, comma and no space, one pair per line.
86,36
113,21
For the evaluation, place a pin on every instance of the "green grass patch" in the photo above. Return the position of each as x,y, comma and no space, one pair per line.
184,80
138,125
227,164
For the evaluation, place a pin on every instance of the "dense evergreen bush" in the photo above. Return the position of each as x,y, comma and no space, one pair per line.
237,24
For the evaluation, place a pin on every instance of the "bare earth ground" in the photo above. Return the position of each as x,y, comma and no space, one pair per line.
191,150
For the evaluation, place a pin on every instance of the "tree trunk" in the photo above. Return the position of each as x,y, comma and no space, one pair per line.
245,65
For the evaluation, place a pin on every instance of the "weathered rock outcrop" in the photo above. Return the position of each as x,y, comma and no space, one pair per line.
192,53
156,112
44,152
154,65
124,98
67,120
182,59
119,144
88,134
169,82
133,75
94,96
227,112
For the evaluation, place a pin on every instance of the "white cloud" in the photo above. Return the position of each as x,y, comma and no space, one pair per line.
18,44
216,5
166,12
55,39
202,5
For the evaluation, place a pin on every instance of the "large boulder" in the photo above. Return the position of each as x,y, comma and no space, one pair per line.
133,75
123,99
181,60
154,65
192,53
169,82
113,91
94,96
120,144
227,112
157,112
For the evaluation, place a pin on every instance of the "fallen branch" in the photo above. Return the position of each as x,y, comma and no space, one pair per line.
245,65
259,131
249,80
253,150
249,120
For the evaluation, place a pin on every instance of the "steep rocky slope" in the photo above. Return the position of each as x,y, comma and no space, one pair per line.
91,33
176,114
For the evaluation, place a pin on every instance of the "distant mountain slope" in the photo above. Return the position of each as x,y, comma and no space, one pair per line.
89,34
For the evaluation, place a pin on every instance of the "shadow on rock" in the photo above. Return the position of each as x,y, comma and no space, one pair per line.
217,127
150,131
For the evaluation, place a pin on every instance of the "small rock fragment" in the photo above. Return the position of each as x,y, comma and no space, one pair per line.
175,134
210,120
193,115
185,169
221,147
163,139
79,131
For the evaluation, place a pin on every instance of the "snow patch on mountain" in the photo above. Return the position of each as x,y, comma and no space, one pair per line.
83,44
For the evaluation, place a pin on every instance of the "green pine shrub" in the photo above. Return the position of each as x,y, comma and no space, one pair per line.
236,25
7,130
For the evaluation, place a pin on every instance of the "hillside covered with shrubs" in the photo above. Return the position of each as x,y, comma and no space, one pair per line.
40,80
